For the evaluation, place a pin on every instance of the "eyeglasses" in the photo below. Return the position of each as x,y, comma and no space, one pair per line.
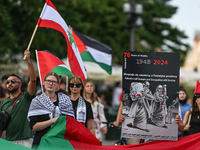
12,81
50,82
77,85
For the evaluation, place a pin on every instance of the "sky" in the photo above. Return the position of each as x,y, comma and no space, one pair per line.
187,18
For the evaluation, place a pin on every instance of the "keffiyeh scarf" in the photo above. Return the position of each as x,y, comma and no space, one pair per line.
42,104
81,110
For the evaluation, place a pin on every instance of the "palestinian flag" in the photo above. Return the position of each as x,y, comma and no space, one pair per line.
93,51
65,132
50,18
68,134
48,62
7,145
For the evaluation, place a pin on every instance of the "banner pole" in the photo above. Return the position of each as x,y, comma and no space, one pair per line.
31,40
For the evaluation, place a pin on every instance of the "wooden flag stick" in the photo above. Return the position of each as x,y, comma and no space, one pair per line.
189,119
29,45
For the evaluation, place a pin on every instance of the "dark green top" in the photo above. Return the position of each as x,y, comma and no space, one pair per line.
18,127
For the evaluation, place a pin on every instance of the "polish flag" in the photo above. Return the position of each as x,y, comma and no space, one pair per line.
51,18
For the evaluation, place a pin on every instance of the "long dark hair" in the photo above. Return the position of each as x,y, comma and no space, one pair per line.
195,107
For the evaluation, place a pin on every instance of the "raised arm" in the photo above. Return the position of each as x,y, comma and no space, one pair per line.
32,75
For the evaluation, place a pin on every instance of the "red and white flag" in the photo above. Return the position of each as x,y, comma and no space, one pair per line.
51,18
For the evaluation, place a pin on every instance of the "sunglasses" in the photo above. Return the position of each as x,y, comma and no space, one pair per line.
12,81
197,95
77,85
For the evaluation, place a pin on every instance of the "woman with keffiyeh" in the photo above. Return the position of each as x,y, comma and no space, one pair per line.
47,107
82,108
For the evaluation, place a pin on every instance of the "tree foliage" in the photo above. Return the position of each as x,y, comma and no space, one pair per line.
103,20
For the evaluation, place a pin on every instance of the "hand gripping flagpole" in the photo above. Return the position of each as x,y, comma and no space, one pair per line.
31,40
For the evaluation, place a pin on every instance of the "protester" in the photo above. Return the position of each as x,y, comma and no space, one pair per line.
183,103
58,89
47,107
82,108
3,90
18,130
103,100
116,93
97,108
192,118
62,84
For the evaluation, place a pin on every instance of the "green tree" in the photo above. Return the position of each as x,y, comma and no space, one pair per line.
156,32
103,20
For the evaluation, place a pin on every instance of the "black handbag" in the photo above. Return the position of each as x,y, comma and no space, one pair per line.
6,115
4,120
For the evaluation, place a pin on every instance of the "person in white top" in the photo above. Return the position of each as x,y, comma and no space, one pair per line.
116,93
97,108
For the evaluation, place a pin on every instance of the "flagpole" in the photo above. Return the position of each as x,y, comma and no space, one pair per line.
39,71
66,83
31,40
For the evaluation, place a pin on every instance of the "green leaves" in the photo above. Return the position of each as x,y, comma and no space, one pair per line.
103,20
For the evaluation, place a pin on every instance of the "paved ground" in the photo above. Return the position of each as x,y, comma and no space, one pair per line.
108,142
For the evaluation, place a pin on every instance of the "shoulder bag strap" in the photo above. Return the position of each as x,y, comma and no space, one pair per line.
10,108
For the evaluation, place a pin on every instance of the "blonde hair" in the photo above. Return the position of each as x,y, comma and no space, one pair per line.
94,95
75,79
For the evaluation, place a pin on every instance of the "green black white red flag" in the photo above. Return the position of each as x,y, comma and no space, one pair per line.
48,62
69,134
51,18
93,51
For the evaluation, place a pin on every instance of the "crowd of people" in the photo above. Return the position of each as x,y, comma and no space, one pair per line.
34,111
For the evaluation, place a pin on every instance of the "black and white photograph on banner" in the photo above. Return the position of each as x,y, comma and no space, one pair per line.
150,95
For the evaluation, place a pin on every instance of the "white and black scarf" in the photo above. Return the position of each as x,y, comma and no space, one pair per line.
42,104
81,110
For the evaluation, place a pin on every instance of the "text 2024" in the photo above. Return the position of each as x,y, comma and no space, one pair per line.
160,62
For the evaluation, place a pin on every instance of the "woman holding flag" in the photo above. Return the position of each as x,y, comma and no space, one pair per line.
82,108
47,107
